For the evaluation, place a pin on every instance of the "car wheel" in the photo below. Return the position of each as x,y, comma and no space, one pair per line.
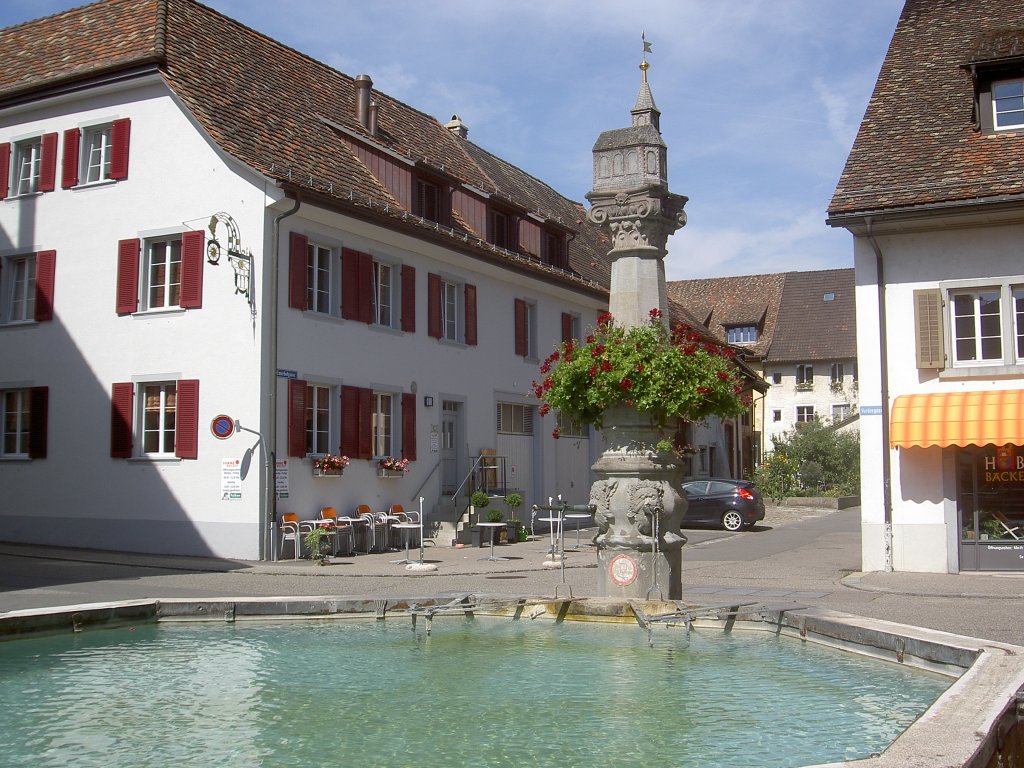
732,520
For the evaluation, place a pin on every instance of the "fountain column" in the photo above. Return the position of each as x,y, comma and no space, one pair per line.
637,495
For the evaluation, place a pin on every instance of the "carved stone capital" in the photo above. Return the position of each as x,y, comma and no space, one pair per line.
639,219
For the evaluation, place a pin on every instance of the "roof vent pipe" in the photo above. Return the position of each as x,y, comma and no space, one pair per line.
363,85
372,125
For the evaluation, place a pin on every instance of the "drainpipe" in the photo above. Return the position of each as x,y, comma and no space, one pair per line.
270,543
883,359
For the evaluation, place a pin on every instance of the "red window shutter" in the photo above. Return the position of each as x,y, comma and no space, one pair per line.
520,328
128,276
121,421
566,327
5,170
296,417
364,426
349,284
193,245
186,420
120,133
434,306
38,399
48,163
409,426
69,164
46,265
408,298
365,262
297,256
470,291
350,422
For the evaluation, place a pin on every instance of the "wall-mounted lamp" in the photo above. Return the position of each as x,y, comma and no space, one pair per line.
239,258
428,402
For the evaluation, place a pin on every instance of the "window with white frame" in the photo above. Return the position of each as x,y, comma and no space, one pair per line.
20,289
383,293
804,376
804,413
776,378
741,334
16,423
525,328
1018,319
835,375
841,411
777,414
27,159
318,278
450,310
976,325
514,419
318,419
1008,104
96,146
162,273
969,324
569,427
158,412
381,421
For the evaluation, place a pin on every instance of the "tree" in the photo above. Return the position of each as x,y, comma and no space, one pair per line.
812,460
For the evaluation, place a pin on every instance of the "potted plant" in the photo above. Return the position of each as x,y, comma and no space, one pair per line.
516,529
329,465
389,466
478,501
318,542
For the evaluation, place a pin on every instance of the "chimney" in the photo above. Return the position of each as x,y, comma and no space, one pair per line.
456,126
363,85
372,125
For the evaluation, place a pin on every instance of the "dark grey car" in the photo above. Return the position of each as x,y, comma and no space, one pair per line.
731,504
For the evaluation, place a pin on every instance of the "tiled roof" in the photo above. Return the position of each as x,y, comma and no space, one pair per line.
918,143
731,301
278,111
809,328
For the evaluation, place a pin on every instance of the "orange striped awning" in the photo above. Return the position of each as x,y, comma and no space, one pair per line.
958,418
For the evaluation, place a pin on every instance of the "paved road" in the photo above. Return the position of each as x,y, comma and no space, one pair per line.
802,557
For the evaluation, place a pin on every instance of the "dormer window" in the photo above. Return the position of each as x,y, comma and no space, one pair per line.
741,334
430,201
1008,104
500,230
554,251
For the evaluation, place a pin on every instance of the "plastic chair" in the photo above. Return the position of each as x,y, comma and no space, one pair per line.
292,530
1011,530
406,518
377,528
340,527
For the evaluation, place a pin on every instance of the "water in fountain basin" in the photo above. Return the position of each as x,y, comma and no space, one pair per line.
474,692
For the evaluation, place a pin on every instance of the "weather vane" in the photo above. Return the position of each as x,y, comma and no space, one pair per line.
644,66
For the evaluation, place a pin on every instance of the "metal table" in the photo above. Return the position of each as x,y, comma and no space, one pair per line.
491,525
406,529
577,518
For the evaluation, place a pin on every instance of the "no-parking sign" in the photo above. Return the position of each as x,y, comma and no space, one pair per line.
222,427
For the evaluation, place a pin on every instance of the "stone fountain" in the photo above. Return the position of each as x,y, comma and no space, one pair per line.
637,501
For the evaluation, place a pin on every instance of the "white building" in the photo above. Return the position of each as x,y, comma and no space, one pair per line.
934,195
404,286
403,290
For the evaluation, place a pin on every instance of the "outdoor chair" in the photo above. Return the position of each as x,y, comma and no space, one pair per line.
377,528
413,517
292,529
342,528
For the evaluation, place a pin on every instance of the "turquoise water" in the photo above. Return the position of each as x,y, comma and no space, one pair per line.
473,693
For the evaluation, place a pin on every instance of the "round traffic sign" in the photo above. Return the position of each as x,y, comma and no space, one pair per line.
222,427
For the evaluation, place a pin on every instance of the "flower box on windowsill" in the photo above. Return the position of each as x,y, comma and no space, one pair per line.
390,473
328,472
804,386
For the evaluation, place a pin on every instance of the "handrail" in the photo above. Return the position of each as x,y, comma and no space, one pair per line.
465,480
429,475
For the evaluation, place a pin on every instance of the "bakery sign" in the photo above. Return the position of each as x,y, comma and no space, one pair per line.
1005,465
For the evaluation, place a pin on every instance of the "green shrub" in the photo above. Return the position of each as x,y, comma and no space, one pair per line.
811,460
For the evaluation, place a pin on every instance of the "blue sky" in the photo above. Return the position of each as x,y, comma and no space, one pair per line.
760,99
